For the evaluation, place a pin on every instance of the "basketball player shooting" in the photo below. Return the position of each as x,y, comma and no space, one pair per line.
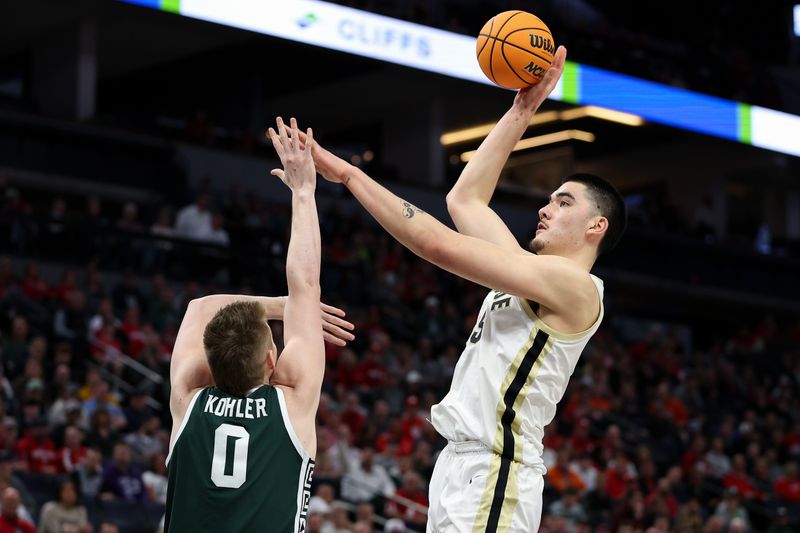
543,307
243,438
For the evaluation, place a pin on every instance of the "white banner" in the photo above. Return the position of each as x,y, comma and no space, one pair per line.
775,130
348,30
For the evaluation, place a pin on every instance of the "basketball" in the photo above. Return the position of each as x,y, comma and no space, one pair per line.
515,49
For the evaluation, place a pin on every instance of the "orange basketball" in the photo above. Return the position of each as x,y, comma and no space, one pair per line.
515,49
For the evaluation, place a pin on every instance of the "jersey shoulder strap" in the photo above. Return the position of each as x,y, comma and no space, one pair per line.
200,393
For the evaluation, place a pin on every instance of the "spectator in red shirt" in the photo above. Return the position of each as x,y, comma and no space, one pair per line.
578,404
612,441
694,454
32,285
353,414
68,284
739,478
788,485
411,490
36,450
582,442
371,373
106,347
663,492
411,421
10,522
73,451
132,329
394,435
345,373
619,473
647,475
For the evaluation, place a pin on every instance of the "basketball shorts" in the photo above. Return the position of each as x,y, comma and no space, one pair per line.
475,490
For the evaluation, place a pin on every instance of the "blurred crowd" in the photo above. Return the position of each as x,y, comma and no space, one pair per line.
658,431
236,226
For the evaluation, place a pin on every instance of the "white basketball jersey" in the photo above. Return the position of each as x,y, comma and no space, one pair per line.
511,374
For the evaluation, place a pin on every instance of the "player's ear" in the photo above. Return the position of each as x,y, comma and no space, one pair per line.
271,358
597,225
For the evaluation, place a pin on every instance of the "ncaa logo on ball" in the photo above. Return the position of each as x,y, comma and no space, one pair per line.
534,70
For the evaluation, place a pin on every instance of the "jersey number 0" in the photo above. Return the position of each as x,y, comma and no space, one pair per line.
229,465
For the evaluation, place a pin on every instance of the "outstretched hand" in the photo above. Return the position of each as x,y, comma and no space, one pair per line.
335,329
332,167
298,166
530,98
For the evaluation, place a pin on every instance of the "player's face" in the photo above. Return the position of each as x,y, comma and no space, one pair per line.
563,221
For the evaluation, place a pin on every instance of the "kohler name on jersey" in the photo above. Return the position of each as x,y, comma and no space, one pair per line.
236,407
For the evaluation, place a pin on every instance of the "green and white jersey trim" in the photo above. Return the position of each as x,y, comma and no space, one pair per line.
185,421
306,470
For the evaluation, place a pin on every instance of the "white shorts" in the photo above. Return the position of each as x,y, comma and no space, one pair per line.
475,490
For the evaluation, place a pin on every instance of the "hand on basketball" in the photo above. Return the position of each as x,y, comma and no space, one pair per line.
332,167
298,166
334,327
530,98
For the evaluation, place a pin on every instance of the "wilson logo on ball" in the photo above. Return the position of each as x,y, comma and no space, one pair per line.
537,41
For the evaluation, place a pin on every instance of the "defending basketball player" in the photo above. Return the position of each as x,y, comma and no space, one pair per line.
543,307
243,438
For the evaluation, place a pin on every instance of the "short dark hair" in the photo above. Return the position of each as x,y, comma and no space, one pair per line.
235,341
64,483
610,204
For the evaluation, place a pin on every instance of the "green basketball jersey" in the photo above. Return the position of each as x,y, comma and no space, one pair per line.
237,465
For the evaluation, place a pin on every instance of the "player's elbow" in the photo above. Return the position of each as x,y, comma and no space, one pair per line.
305,284
460,206
196,304
302,272
455,202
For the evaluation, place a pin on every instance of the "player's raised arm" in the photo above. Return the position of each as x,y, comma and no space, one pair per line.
468,201
555,282
302,363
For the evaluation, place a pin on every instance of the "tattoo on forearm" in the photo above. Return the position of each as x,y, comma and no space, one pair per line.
410,210
347,179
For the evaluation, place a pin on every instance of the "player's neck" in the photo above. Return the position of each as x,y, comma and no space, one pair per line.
585,258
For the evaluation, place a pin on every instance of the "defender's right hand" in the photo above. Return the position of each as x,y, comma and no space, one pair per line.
298,165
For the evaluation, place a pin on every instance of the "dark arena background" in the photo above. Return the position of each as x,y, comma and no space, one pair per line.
134,177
